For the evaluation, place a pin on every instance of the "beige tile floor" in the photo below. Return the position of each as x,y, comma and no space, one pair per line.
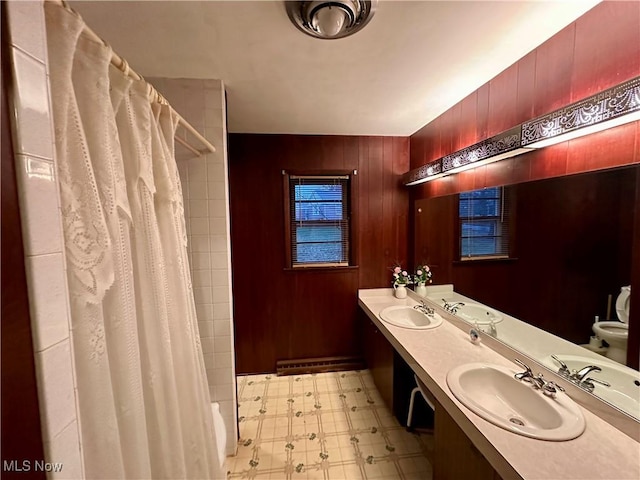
322,426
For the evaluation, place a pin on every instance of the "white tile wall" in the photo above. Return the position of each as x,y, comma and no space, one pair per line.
42,233
47,285
206,193
39,207
55,387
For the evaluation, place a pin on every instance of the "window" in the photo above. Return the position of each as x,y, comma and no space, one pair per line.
318,220
484,224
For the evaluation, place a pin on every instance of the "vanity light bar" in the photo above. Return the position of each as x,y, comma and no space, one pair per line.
504,145
607,109
425,173
612,107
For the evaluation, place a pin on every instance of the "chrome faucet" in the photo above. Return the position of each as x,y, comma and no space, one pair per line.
424,308
580,377
452,307
550,389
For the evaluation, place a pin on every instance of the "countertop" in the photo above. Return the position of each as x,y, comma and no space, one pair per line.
601,452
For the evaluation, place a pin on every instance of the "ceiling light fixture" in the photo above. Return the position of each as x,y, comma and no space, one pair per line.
331,19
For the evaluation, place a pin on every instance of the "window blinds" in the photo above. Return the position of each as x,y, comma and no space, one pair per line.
319,220
484,224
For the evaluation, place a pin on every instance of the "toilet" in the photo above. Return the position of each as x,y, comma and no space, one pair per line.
614,333
220,433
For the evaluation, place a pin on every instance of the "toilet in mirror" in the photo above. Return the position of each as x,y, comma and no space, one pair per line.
616,333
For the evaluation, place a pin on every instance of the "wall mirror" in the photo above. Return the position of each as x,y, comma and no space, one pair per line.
559,259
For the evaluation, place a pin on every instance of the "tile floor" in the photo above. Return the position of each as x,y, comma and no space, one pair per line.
322,426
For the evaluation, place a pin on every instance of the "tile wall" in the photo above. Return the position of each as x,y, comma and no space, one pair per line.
205,189
42,232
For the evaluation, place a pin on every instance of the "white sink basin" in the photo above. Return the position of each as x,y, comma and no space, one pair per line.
492,392
408,317
624,392
476,313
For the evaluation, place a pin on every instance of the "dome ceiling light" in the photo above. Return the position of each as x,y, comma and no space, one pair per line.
331,19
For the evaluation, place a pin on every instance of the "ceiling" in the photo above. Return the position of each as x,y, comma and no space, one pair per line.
413,61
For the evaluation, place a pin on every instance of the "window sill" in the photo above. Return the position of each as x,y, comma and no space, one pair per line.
322,269
485,260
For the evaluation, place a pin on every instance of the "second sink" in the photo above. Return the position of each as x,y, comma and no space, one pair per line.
492,392
408,317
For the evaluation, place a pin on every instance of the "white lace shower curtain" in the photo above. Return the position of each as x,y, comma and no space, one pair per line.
142,393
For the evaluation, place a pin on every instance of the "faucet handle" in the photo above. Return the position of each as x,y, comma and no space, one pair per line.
564,369
523,365
551,389
595,380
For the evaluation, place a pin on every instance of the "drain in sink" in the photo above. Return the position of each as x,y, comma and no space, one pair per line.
517,421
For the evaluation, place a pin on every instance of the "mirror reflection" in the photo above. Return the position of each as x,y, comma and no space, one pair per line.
553,253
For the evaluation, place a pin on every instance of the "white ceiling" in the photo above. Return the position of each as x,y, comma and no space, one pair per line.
412,62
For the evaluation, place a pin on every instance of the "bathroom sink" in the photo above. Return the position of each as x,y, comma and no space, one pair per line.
624,389
492,392
408,317
479,314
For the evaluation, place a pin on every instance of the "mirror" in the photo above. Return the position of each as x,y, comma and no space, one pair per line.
570,252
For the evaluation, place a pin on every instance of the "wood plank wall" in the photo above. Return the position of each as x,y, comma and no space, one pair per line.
599,50
281,314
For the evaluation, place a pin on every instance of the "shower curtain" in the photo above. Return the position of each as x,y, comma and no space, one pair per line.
143,399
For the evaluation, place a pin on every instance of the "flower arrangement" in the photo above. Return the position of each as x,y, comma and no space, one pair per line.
400,277
423,275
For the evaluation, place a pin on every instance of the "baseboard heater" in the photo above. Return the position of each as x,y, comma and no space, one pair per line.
318,365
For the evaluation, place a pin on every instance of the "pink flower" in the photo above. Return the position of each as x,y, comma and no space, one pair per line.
397,270
426,267
419,272
404,273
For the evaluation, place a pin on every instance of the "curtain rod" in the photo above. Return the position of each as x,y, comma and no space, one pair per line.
154,96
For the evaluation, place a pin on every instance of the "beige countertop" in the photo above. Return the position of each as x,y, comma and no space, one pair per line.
601,452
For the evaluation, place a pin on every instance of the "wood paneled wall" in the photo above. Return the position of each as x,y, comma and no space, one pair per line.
282,314
599,50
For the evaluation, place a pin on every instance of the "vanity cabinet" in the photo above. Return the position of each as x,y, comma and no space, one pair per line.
455,456
392,376
378,354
